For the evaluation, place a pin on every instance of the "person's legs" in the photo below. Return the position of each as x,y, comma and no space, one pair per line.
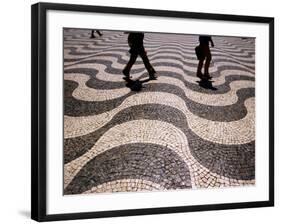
207,62
92,34
147,65
127,69
99,33
199,68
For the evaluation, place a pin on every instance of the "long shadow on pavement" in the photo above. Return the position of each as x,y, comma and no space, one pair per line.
206,84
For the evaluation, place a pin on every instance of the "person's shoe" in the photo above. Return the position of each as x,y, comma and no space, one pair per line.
152,76
93,36
126,76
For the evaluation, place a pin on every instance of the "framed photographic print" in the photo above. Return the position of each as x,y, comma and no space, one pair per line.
139,111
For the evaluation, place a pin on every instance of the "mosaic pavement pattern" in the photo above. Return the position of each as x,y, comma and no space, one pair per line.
176,133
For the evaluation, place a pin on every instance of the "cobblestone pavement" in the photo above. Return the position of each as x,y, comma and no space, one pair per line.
176,133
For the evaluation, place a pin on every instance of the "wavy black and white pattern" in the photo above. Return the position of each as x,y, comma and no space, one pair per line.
176,133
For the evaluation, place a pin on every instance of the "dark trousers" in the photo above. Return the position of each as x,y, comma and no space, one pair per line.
207,57
133,58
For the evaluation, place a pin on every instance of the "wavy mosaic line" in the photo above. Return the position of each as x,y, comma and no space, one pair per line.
220,132
83,92
216,157
103,75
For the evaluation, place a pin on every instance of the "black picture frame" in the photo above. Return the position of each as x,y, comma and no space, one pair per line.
39,108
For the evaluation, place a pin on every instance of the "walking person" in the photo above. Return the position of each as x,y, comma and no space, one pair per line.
135,41
93,33
204,54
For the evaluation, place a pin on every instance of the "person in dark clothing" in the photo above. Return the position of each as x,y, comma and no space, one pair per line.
135,41
93,33
206,56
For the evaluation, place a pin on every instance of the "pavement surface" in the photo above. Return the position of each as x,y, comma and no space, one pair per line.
176,132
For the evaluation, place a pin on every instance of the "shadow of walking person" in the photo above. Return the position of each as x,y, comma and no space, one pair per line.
136,85
206,84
